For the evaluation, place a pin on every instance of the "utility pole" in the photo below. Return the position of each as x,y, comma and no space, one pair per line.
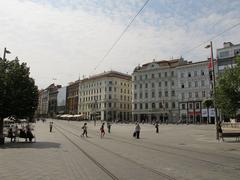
212,68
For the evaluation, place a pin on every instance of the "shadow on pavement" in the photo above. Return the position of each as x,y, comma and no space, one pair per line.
34,145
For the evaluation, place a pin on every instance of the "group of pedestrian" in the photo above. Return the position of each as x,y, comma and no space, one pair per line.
24,132
136,132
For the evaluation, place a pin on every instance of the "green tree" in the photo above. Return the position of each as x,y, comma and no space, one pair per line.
18,92
228,90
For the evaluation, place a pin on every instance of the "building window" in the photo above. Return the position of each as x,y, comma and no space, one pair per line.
203,94
202,72
160,94
152,85
135,78
146,85
140,77
166,74
190,105
172,83
159,75
135,106
146,76
146,105
135,95
146,95
153,106
152,76
166,83
140,105
189,74
196,84
183,106
140,95
166,93
110,88
140,86
189,84
173,93
172,73
109,105
153,94
197,106
160,105
182,86
196,94
183,96
202,83
110,96
195,73
159,84
182,75
166,105
173,105
190,94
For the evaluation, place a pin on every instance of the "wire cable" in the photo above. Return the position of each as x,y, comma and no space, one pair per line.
214,37
121,35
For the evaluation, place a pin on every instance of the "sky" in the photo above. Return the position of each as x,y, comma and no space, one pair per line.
64,40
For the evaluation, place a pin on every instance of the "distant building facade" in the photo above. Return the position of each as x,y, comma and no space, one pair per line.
106,96
226,56
61,100
52,101
154,91
170,91
193,87
72,97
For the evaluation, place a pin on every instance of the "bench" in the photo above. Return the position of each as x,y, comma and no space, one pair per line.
231,135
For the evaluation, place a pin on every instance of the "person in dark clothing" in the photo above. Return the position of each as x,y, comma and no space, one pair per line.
220,131
84,128
157,127
109,127
137,130
51,126
102,132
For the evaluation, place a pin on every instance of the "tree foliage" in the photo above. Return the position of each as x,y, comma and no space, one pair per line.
18,92
228,90
208,103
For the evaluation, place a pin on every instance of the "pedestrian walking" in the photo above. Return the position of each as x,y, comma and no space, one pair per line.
219,127
137,131
51,126
157,127
109,127
84,128
102,132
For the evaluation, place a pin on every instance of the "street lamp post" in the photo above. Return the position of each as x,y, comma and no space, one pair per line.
212,68
5,52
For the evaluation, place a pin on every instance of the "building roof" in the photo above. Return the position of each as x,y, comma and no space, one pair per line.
108,74
162,63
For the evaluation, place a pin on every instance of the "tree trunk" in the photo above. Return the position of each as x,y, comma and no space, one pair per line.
208,115
1,131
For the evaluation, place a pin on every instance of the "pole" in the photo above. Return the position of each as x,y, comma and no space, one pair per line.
214,92
4,54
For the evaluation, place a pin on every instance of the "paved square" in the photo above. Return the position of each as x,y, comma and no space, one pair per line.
177,152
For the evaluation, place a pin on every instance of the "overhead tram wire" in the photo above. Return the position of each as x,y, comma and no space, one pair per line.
214,37
121,35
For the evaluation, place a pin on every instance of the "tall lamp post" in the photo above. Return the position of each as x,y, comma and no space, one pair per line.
211,67
5,52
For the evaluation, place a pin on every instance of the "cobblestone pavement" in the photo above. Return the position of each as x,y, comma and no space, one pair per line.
177,152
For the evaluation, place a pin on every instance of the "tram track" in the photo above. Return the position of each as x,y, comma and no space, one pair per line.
111,175
161,174
126,141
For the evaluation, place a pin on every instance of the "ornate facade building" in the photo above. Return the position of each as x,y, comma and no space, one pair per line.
170,91
106,96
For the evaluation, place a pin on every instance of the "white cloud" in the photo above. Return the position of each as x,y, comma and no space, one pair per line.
65,41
